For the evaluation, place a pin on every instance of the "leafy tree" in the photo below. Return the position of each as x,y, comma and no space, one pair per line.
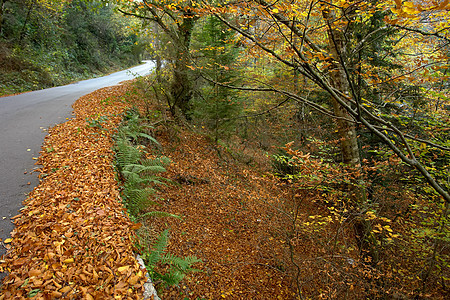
177,21
47,42
323,59
215,105
352,50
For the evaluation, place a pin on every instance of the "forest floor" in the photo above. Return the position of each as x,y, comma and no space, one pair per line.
229,211
73,240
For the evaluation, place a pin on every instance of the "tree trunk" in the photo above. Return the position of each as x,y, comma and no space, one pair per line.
2,5
346,129
181,89
348,138
24,27
157,49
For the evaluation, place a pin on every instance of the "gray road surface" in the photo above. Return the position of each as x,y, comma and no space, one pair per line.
24,120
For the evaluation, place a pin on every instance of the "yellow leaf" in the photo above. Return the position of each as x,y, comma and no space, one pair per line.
7,241
275,10
395,11
123,269
68,261
411,11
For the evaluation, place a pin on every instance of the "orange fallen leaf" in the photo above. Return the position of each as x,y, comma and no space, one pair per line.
136,226
34,272
65,289
133,280
56,294
20,261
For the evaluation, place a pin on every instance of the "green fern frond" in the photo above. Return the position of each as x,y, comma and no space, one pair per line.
158,249
148,137
160,214
138,199
140,168
172,278
181,263
159,161
126,154
134,127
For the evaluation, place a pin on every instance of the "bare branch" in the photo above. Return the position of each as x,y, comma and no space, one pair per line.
436,34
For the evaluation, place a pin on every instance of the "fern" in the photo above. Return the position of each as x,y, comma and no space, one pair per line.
143,169
181,264
157,252
157,214
159,161
138,199
139,180
139,175
126,153
133,128
178,267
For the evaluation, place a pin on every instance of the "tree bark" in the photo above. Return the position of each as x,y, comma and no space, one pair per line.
2,7
181,88
348,138
339,81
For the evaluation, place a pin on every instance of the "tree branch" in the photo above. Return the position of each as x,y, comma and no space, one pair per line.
436,34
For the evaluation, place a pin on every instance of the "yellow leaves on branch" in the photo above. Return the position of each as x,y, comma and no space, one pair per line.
410,9
407,9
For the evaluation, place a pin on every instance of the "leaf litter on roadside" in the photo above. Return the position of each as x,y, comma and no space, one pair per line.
73,238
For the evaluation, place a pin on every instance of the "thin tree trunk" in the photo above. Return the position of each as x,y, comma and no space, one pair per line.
2,6
348,138
22,32
346,129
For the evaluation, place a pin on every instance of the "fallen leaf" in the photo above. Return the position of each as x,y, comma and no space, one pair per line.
34,272
68,261
65,289
123,269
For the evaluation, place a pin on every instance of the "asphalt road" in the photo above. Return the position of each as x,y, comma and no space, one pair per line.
24,120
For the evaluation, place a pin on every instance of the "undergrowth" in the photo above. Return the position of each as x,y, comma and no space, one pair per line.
138,173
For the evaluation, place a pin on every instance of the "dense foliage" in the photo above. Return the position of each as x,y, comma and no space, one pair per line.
48,43
361,88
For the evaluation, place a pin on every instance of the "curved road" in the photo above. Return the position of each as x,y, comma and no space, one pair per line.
24,120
